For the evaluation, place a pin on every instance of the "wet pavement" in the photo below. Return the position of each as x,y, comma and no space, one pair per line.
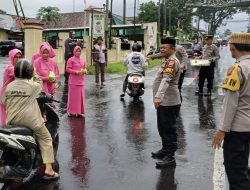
111,148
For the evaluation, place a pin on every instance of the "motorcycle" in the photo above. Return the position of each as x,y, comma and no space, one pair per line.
136,85
20,157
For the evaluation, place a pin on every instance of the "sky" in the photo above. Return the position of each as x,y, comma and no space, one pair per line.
31,6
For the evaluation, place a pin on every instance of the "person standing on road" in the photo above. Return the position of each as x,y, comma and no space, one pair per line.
8,77
69,45
47,69
211,53
76,67
167,103
182,56
52,52
100,60
234,127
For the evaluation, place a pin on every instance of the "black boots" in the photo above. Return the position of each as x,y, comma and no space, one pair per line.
167,161
160,154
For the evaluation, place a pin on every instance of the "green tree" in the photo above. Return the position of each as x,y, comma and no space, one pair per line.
214,12
148,12
49,15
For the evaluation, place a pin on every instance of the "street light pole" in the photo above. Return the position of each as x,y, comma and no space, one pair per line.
124,15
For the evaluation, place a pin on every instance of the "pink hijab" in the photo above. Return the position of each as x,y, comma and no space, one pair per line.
43,67
8,77
52,52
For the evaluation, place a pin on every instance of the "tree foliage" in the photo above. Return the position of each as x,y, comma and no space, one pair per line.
148,12
214,12
49,15
175,10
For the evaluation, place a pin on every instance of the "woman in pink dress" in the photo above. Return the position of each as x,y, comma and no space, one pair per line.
76,67
8,77
47,69
52,52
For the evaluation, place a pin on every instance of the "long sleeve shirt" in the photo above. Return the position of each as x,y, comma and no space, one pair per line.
21,104
182,56
165,85
211,52
236,104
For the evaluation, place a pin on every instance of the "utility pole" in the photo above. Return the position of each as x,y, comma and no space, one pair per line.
165,16
106,22
124,15
159,17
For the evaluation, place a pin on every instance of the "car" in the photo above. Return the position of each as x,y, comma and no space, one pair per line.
188,47
6,46
19,45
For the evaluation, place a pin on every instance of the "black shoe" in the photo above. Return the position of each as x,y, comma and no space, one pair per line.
122,95
199,93
158,155
167,161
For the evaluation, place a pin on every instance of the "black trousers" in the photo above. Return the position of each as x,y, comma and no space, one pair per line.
206,72
166,120
236,155
181,79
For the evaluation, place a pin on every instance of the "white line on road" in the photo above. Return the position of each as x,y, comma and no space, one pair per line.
219,178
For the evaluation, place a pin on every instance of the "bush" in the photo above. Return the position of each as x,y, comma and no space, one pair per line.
119,68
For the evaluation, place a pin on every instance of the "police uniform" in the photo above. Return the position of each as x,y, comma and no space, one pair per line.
22,109
210,52
235,121
165,87
182,56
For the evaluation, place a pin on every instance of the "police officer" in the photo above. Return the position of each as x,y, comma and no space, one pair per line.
182,56
210,52
167,103
234,127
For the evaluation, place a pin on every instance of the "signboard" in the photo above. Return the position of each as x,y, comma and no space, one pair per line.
98,25
7,22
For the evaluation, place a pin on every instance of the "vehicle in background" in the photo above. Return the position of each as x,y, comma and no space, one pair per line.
188,47
6,46
19,45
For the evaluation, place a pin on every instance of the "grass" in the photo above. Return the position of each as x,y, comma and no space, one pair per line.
119,68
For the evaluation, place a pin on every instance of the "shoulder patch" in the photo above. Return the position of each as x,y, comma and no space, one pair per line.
169,68
232,80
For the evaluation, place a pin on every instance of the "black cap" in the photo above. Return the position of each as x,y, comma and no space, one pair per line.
209,37
171,41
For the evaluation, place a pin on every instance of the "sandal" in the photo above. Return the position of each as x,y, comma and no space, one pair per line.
49,177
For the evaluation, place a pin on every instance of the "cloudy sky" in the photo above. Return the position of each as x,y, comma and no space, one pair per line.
31,6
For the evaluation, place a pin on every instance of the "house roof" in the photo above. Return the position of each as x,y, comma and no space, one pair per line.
71,20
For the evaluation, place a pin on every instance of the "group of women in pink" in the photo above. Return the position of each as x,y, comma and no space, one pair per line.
47,69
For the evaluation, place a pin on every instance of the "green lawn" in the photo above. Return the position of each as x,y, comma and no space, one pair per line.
119,68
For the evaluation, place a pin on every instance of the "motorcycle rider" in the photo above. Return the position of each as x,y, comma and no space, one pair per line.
22,109
136,63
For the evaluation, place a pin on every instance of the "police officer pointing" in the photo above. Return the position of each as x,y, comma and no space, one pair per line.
167,103
234,127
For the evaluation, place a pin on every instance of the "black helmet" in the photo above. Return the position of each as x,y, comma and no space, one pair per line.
23,69
136,47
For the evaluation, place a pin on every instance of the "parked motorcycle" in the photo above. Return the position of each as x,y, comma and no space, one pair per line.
20,156
136,85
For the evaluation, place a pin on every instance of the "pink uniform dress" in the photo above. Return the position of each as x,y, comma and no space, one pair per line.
8,77
76,93
43,68
52,52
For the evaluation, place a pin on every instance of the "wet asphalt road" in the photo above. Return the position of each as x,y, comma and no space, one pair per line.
111,148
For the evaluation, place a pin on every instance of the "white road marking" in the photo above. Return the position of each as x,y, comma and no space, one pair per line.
219,178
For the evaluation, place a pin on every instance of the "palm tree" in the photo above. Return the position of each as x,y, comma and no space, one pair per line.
49,15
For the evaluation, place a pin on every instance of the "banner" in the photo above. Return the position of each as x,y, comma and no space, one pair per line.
98,25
